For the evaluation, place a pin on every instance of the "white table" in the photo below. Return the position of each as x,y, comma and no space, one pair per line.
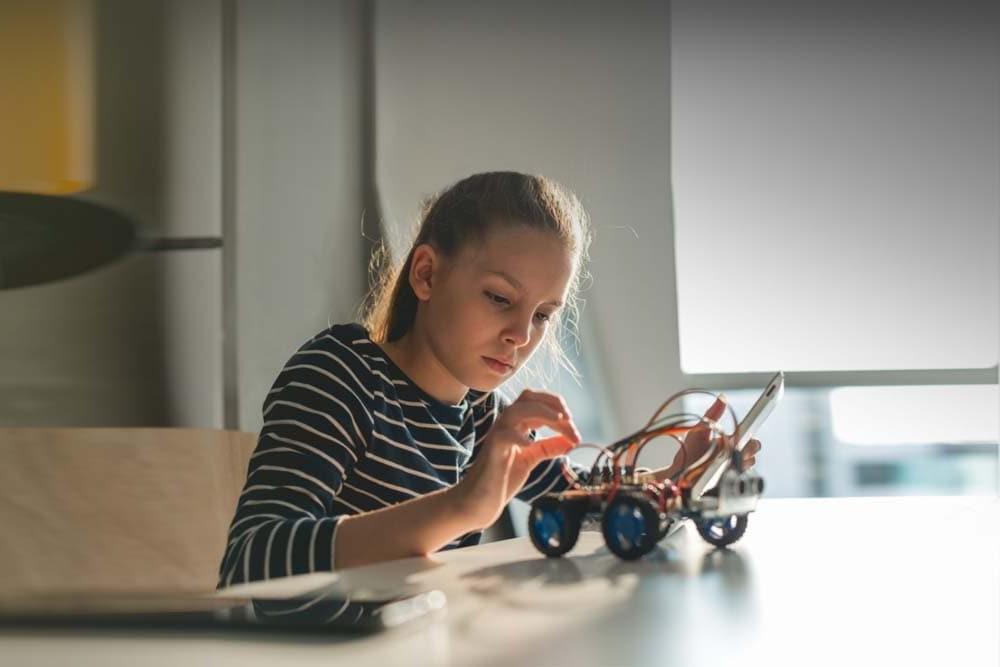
861,581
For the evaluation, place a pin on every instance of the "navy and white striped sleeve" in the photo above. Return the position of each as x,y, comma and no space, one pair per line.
547,477
317,424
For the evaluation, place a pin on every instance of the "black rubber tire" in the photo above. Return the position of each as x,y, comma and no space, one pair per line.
647,539
722,531
662,532
569,517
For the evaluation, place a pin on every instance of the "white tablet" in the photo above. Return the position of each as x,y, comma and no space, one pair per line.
768,398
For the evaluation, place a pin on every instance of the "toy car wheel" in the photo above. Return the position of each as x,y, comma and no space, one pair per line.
723,531
630,526
554,526
665,527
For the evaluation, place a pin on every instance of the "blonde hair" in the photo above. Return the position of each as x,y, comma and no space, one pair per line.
465,213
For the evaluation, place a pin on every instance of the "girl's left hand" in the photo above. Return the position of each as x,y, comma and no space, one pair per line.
698,441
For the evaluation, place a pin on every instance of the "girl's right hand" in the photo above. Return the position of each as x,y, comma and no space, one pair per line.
509,455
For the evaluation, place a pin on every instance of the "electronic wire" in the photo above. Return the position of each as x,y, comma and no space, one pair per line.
674,426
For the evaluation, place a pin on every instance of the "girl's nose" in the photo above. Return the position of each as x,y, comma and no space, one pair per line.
517,334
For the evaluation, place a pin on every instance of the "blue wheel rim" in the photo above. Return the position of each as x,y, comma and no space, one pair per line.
548,527
627,526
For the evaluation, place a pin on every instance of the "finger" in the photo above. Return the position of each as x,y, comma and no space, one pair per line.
554,401
502,439
554,446
753,446
547,448
717,409
558,402
533,414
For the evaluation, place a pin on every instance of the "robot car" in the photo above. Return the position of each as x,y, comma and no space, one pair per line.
636,510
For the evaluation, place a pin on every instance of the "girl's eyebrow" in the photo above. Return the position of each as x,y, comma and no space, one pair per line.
509,278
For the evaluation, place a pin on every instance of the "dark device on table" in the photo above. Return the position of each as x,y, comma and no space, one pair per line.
321,611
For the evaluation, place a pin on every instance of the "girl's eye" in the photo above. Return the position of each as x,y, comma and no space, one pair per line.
496,298
501,301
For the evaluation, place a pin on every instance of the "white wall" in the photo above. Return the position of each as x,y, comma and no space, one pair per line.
577,91
192,190
298,183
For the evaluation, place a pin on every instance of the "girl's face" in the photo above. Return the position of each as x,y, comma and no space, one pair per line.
484,311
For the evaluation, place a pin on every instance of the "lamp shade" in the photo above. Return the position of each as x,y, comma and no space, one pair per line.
46,95
47,146
45,238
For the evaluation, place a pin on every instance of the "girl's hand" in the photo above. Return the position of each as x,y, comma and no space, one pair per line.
698,441
509,455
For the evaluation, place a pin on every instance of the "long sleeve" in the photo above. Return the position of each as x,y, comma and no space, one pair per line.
316,426
548,477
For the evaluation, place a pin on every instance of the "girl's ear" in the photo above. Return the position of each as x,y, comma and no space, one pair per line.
424,267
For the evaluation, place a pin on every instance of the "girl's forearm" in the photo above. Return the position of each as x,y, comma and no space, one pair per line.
416,527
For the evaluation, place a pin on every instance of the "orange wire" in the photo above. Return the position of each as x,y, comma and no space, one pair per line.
634,448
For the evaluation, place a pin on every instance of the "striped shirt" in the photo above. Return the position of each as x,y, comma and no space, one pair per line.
346,431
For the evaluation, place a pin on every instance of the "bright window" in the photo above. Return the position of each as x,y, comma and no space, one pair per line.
835,171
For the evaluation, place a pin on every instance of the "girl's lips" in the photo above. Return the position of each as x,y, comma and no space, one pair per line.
497,366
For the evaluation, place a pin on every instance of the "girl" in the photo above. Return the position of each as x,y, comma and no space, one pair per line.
388,439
